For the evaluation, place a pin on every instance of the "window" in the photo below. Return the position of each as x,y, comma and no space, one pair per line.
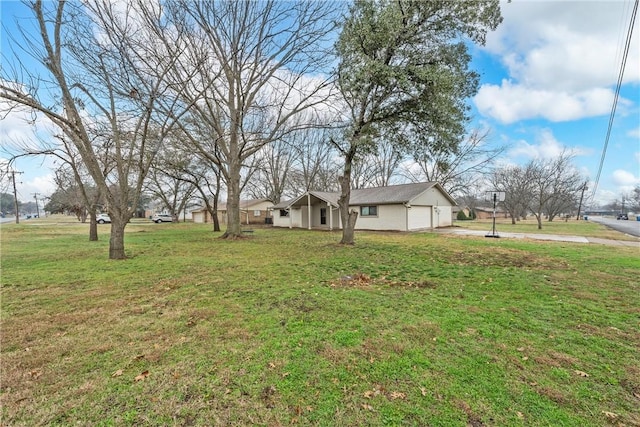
257,213
284,212
368,211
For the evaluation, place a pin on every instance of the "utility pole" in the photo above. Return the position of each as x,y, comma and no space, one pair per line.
15,194
35,196
584,188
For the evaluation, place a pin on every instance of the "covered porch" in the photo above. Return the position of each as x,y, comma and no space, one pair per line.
311,210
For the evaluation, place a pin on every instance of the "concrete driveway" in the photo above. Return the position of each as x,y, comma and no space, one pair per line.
547,237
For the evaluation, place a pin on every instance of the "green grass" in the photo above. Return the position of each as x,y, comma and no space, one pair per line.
287,327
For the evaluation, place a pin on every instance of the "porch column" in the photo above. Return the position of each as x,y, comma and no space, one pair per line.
290,220
330,216
309,209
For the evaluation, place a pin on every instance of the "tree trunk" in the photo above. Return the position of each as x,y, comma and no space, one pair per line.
216,221
233,204
539,218
116,240
348,217
214,214
93,226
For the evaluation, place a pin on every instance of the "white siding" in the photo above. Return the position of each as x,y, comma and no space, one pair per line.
431,197
419,217
284,221
442,216
390,217
198,217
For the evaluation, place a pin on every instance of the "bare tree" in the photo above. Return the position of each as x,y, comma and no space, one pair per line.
252,87
456,168
514,181
316,164
377,168
170,183
553,182
273,164
96,77
635,199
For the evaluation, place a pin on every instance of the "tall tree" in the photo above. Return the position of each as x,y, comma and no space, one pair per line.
100,75
552,182
515,182
253,86
74,184
403,68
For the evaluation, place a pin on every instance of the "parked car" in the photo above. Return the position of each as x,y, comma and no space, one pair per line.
158,218
103,218
622,216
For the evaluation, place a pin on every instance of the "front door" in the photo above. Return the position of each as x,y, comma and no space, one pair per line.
323,216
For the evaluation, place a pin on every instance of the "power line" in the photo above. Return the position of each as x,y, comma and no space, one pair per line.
617,95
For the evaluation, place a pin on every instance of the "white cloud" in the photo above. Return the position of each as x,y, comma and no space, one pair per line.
546,146
510,103
570,44
634,133
624,178
562,59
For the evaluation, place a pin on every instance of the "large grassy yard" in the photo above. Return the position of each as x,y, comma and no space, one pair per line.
287,327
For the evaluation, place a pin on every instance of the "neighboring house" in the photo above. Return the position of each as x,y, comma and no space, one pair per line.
487,212
404,207
251,212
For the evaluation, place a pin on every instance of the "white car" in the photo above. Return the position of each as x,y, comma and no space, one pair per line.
103,218
158,218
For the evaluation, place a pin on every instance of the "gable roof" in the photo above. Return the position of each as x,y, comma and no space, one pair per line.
244,205
392,194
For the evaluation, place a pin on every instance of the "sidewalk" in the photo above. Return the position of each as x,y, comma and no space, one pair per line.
548,237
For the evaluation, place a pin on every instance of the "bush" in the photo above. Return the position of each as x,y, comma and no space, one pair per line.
461,216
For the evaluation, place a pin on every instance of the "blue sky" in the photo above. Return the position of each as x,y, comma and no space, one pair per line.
548,78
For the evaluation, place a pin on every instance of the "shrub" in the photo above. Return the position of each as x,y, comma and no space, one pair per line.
462,216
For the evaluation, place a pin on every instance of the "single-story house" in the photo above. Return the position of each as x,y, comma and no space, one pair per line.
405,207
253,211
487,212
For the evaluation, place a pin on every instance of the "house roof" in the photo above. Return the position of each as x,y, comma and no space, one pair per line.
244,204
392,194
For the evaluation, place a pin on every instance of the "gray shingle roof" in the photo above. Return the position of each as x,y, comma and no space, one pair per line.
402,193
391,194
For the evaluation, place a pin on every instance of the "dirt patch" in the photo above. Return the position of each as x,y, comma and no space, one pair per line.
506,258
553,395
556,359
473,420
361,280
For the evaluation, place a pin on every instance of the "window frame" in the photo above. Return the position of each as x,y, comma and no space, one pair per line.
368,209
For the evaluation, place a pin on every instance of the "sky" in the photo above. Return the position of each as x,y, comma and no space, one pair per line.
548,78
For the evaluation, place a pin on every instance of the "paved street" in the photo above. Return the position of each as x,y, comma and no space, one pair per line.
630,226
